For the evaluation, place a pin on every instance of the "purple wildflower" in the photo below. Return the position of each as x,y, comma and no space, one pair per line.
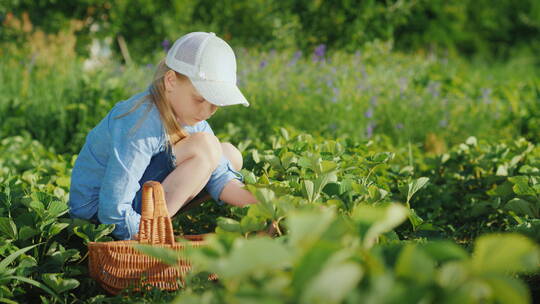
363,71
297,56
263,63
399,126
486,95
332,126
329,82
369,129
320,50
369,113
319,53
336,94
403,82
149,66
373,100
434,88
166,44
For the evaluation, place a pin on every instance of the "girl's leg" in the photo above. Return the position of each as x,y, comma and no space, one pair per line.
234,155
196,158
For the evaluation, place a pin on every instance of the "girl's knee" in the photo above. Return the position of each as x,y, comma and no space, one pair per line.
233,154
203,145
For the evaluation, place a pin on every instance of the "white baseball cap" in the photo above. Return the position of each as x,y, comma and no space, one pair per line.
209,62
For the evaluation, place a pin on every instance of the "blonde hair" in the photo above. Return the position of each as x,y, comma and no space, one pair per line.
173,130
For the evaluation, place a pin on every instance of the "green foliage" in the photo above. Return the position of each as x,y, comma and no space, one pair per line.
358,216
467,26
495,184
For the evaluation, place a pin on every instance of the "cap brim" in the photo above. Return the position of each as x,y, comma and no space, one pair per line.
220,93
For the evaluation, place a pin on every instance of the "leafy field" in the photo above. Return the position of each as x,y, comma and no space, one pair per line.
389,177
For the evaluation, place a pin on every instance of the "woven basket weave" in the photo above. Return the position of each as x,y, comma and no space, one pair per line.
118,265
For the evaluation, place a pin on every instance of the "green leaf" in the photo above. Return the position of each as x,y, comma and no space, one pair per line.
63,181
249,177
56,228
522,207
93,233
503,190
381,157
27,232
256,255
5,262
502,170
38,207
328,166
452,274
57,208
265,207
37,284
529,170
332,189
321,181
308,189
414,186
415,265
376,193
530,228
255,156
521,185
415,219
163,254
471,141
229,224
284,133
311,263
287,159
8,301
379,219
8,228
502,253
305,162
509,290
442,251
265,196
333,283
305,227
59,284
250,223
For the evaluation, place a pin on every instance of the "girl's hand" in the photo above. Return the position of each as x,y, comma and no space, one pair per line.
234,194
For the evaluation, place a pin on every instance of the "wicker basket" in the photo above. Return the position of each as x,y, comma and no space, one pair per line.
118,265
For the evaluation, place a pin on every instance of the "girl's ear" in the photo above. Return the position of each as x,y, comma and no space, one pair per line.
169,79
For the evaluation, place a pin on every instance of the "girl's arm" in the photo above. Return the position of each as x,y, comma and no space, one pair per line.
131,152
234,194
225,183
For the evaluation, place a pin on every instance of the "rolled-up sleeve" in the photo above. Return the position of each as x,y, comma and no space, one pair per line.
223,173
132,150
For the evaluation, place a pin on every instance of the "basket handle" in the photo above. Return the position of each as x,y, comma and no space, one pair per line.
155,226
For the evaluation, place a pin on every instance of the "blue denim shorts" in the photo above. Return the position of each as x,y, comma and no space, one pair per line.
161,165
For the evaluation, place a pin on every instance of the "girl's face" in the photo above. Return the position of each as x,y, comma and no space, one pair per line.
190,107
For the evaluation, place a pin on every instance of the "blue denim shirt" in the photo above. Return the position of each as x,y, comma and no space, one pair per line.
117,151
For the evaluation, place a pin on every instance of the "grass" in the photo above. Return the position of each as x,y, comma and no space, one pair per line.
429,101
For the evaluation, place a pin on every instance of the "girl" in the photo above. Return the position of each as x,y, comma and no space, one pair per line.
161,134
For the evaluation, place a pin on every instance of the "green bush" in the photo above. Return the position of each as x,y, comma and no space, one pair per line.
470,27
